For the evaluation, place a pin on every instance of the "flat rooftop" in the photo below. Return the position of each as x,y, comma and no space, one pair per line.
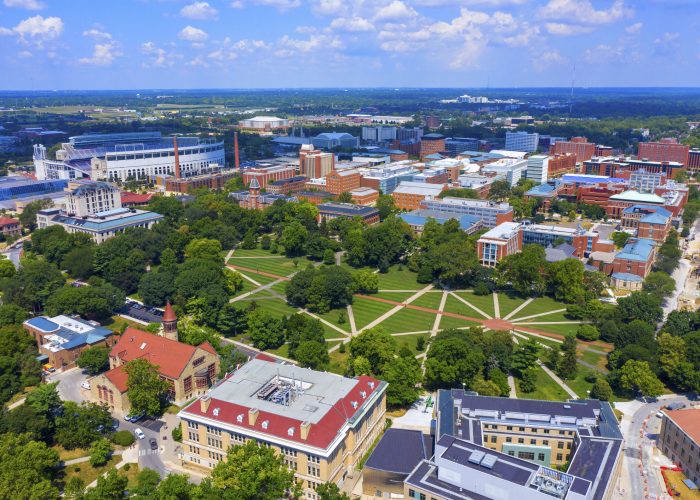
503,231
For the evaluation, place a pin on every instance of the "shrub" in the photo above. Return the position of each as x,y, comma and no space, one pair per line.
177,434
528,379
587,332
126,467
341,349
591,378
123,438
482,288
420,344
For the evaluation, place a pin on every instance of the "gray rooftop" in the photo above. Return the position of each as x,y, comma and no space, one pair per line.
399,451
316,395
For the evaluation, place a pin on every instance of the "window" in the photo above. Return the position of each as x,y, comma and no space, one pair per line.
521,440
192,425
559,457
216,443
545,442
198,361
526,455
522,429
568,445
314,471
193,436
511,453
214,430
533,441
313,459
509,439
493,439
510,428
540,457
560,445
546,431
188,384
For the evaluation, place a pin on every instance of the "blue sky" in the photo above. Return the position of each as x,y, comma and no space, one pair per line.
114,44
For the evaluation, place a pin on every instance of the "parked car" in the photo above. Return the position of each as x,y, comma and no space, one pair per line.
660,414
85,385
115,424
153,443
134,417
675,406
139,433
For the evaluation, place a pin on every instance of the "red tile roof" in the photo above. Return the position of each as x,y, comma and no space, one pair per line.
321,434
118,377
169,314
170,356
7,221
129,197
688,419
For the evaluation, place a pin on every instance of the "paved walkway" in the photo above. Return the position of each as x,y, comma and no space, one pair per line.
351,319
511,383
86,458
518,309
438,316
496,305
464,301
559,381
255,271
538,315
399,306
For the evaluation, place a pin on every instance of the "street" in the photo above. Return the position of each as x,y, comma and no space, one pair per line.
641,460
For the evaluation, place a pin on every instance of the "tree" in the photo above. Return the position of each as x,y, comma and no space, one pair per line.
92,302
566,280
452,360
344,197
123,438
74,489
567,366
293,238
638,377
330,491
45,399
146,390
156,288
100,452
176,486
111,486
642,306
361,366
587,332
528,379
77,425
525,356
79,262
659,284
11,314
7,268
252,472
635,332
365,281
26,468
328,257
526,270
601,390
486,387
34,283
204,248
620,238
376,346
403,375
146,483
28,216
674,364
231,320
264,330
386,206
312,354
94,360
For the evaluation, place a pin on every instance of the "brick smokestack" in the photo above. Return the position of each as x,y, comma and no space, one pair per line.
177,158
236,158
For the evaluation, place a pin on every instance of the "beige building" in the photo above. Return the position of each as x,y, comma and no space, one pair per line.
190,370
679,440
321,423
85,199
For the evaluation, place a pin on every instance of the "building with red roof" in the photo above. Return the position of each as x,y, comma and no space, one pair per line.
190,370
130,199
320,422
10,227
679,440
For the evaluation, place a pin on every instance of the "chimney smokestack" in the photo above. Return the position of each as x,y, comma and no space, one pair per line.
177,158
236,158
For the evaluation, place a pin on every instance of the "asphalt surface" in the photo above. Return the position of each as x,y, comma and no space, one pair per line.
13,253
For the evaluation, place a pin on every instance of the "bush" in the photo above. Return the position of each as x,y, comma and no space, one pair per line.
100,451
482,288
420,344
177,434
528,379
341,349
123,438
587,332
126,467
591,378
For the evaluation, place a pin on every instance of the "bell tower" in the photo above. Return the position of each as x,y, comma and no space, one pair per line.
169,323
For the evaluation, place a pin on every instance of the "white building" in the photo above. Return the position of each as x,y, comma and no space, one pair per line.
522,141
378,134
264,123
537,168
127,156
511,169
91,198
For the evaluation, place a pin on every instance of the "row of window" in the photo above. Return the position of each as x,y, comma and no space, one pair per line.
163,154
530,429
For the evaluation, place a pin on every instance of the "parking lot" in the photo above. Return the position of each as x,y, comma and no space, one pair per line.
140,312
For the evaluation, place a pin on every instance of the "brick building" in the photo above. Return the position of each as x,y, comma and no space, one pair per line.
647,221
694,160
268,174
637,257
10,227
214,180
431,144
364,196
679,440
343,181
499,242
578,146
286,186
409,195
314,197
314,164
620,166
560,164
667,149
492,213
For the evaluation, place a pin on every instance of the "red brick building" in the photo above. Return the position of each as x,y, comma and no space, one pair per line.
314,197
342,181
268,174
315,164
10,227
694,160
578,146
431,144
650,222
559,165
409,195
637,257
667,149
286,186
601,150
499,242
364,196
433,121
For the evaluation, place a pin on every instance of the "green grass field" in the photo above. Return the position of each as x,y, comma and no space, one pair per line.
332,317
339,361
456,306
259,278
560,329
447,322
579,384
507,303
254,252
411,341
367,310
283,350
545,388
395,296
276,307
431,300
547,342
408,320
483,302
541,305
397,279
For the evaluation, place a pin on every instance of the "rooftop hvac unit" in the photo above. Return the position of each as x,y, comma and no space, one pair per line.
489,461
476,457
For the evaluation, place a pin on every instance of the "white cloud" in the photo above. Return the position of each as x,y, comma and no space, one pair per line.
236,4
633,29
395,10
547,59
563,29
25,54
666,38
479,3
280,4
36,30
103,54
330,7
604,53
313,43
25,4
158,56
97,34
199,10
584,12
191,34
353,24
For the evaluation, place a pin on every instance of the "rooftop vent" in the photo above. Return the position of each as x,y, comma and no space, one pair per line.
363,394
216,412
567,407
476,457
265,424
239,418
142,346
353,404
371,385
290,431
489,461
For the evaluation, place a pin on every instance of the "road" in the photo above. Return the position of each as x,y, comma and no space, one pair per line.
680,275
13,253
69,389
642,465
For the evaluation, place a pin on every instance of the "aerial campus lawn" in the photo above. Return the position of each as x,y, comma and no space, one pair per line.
545,388
482,302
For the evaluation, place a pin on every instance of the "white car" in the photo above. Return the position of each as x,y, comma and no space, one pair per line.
139,434
660,414
85,385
